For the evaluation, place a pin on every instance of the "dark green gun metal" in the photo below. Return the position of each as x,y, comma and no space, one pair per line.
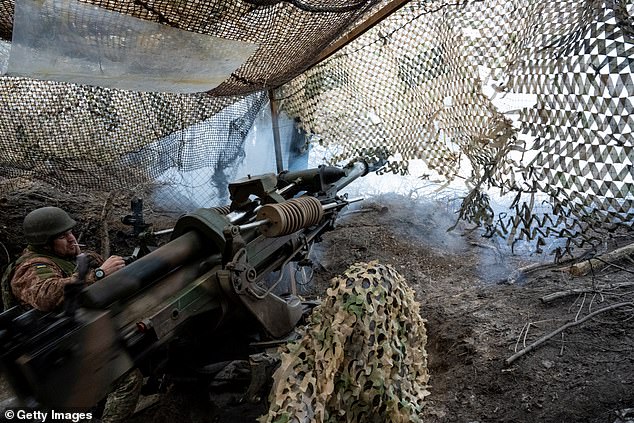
203,297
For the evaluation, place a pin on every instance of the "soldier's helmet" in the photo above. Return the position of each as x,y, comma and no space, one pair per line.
45,223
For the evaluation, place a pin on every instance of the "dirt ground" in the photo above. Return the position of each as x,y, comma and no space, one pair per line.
476,319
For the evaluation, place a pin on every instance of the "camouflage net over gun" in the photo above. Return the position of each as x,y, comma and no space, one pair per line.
535,96
362,356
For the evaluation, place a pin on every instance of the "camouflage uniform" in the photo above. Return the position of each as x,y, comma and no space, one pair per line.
37,280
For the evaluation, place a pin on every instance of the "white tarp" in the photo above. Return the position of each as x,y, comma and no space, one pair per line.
64,40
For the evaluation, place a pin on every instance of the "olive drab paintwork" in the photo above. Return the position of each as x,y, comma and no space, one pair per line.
44,223
37,279
205,292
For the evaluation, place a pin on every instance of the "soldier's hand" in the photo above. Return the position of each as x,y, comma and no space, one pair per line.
112,264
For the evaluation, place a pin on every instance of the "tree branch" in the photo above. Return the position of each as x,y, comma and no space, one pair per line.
545,338
561,294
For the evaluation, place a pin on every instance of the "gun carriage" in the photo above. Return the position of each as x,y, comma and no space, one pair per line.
211,294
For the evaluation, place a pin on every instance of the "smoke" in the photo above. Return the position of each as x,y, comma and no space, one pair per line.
201,161
421,209
425,213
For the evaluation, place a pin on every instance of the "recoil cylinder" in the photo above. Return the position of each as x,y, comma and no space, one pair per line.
223,210
290,216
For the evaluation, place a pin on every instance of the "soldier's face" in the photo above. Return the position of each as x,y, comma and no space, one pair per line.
65,245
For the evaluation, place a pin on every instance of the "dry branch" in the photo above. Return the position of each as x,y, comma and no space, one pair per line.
545,338
519,274
105,214
562,294
585,267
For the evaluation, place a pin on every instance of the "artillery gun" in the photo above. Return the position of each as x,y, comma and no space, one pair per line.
204,297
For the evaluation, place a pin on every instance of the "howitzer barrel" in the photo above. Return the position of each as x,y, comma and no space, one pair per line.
214,274
144,271
354,170
348,201
313,179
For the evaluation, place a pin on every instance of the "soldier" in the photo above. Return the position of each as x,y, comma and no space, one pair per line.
38,276
37,279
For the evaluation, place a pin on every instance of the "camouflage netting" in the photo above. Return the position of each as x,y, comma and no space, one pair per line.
92,138
434,82
534,96
361,358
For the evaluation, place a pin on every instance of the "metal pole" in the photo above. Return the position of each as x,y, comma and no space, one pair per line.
276,132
